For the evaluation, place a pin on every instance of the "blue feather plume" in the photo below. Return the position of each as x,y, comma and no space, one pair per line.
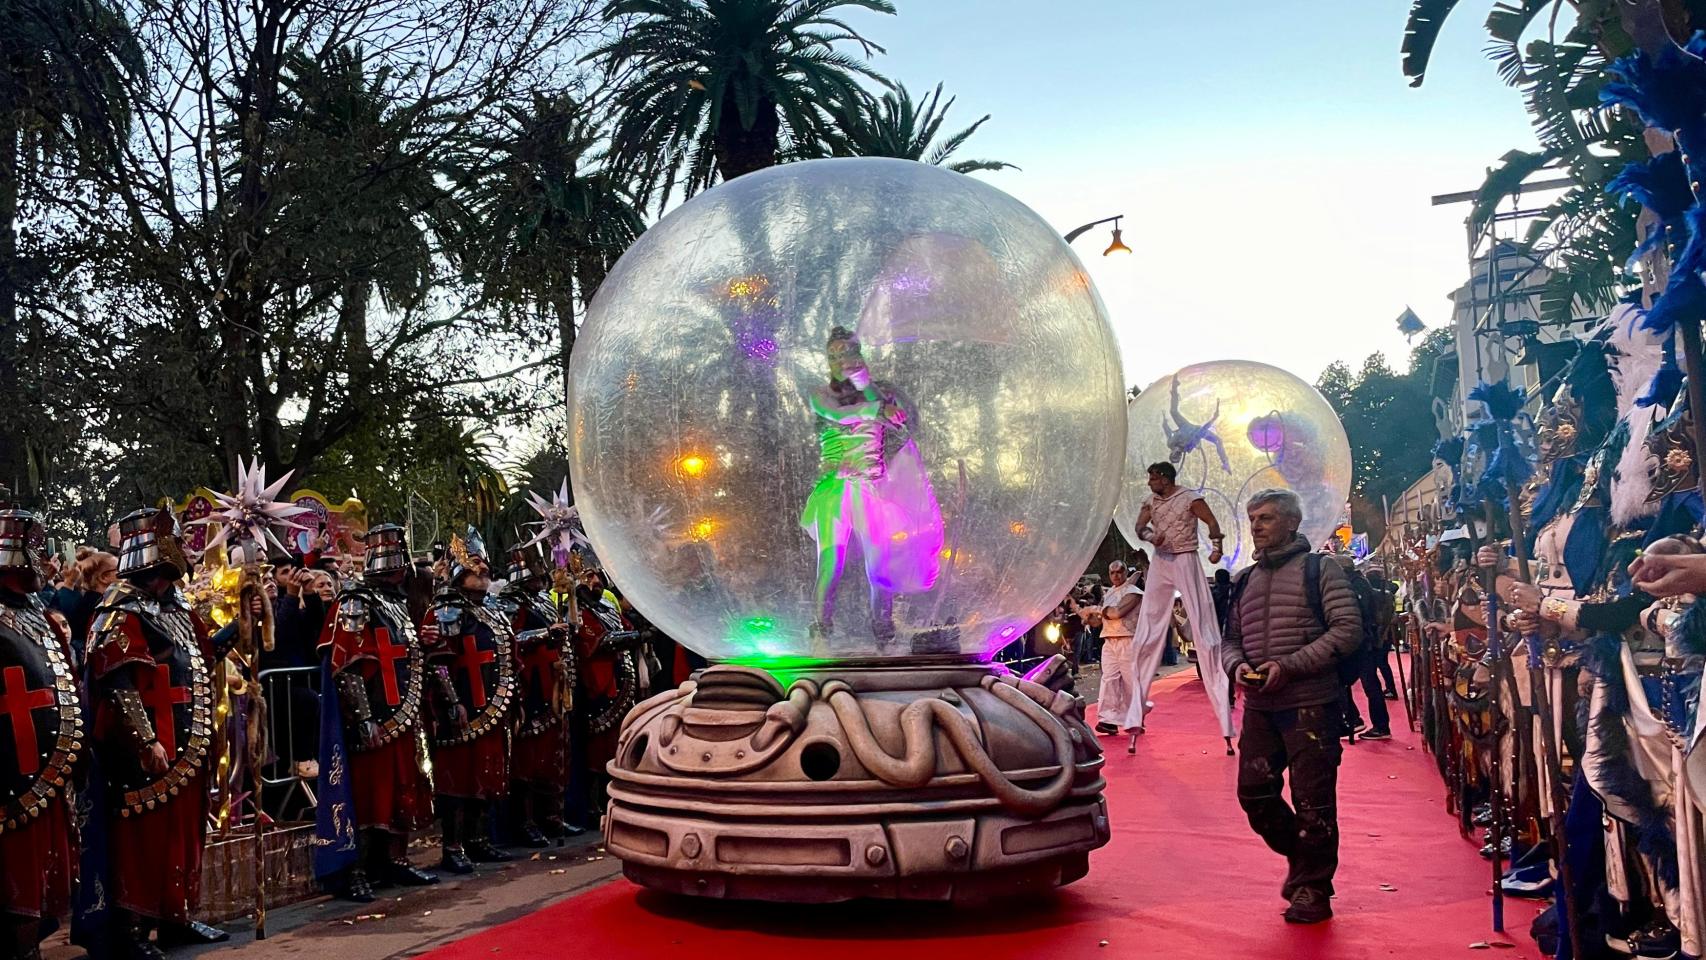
1503,402
1449,452
1660,184
1667,91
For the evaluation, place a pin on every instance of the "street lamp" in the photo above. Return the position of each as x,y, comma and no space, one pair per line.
1117,244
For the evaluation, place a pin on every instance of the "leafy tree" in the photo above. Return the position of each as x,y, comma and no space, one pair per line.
547,218
1388,451
62,105
718,88
896,125
272,261
1587,233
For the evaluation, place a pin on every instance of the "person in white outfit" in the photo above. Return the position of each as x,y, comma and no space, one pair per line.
1119,619
1169,522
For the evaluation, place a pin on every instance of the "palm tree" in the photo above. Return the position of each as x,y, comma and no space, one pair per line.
546,220
896,125
64,66
720,87
354,215
1586,232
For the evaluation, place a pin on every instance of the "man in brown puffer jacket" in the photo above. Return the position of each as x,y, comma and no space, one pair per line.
1283,652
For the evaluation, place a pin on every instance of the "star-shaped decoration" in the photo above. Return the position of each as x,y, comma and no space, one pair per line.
559,524
254,511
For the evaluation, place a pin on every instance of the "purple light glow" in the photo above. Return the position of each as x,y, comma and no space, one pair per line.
1267,433
910,283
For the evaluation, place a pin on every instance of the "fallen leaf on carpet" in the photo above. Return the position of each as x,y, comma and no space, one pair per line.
1392,776
1388,888
1102,944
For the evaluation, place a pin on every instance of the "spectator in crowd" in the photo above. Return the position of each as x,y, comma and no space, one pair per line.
1071,616
89,576
1364,671
1220,588
1386,620
1090,601
1178,639
304,596
1284,655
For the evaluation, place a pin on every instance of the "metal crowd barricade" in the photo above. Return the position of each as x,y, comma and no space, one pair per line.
293,702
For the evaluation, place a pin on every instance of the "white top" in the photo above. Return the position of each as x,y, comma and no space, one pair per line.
1175,525
1120,626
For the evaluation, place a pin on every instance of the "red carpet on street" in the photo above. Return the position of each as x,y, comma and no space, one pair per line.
1183,878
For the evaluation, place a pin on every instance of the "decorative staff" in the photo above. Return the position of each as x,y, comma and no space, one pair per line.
251,518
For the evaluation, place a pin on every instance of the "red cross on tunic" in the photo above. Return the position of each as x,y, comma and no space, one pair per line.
388,653
159,697
17,703
470,660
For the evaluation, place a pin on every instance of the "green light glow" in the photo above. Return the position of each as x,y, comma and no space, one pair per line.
767,648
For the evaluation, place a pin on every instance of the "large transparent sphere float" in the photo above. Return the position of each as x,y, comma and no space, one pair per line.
962,467
1231,428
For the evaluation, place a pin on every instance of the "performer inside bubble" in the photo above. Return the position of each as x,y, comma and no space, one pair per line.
1183,436
871,488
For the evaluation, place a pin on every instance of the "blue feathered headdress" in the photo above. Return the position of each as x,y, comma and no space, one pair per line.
1507,466
1449,452
1668,91
1503,402
1661,185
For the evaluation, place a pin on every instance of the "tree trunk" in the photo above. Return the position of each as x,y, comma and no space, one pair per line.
353,319
14,453
241,305
564,306
741,151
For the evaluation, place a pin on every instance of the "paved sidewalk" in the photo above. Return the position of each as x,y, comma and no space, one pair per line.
414,921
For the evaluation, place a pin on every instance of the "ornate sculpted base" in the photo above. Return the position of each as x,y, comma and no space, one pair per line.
923,780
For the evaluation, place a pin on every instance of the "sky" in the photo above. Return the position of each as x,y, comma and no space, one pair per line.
1273,165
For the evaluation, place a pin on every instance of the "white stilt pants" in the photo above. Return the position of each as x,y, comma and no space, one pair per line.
1181,573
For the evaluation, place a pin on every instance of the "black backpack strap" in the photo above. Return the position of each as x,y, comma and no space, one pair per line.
1312,588
1238,584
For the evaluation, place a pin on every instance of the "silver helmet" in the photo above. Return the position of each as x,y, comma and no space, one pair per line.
386,550
148,543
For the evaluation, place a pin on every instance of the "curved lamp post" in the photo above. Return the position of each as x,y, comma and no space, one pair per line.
1117,246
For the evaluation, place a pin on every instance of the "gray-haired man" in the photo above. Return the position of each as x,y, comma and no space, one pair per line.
1292,619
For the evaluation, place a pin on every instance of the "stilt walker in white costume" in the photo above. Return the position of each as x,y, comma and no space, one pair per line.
1169,522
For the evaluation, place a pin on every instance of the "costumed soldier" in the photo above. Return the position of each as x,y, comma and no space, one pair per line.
43,736
470,650
606,685
373,706
150,684
540,771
